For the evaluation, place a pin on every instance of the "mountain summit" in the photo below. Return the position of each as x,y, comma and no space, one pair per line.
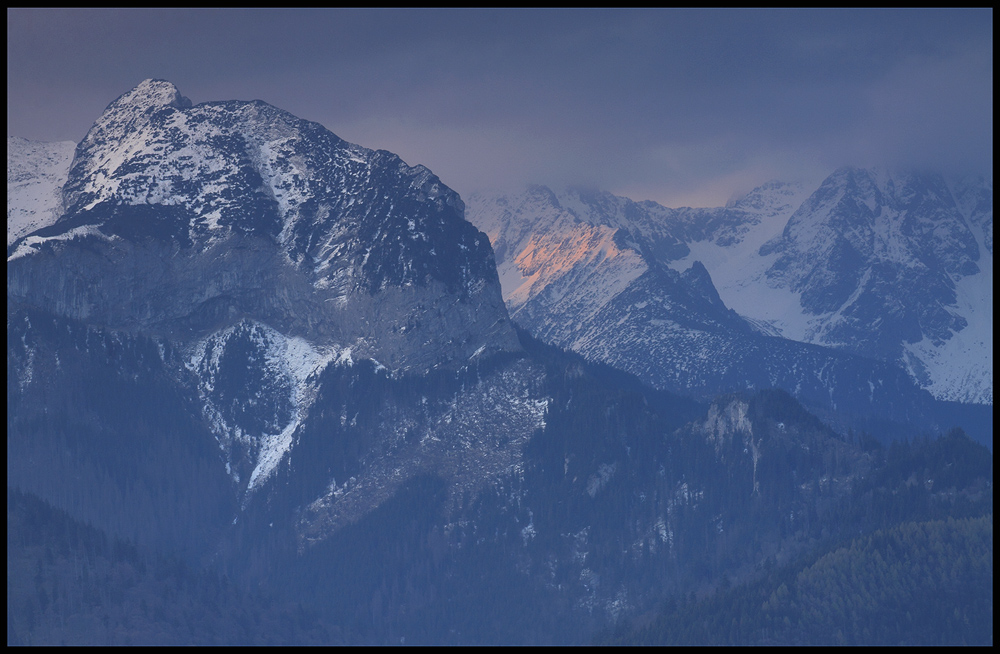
338,244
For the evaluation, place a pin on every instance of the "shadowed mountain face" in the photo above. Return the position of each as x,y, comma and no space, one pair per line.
896,267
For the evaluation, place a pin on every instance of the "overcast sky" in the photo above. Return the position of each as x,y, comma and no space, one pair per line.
685,107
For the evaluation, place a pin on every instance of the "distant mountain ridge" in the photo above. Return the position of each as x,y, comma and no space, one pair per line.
891,268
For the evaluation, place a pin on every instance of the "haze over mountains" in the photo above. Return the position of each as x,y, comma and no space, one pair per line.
238,340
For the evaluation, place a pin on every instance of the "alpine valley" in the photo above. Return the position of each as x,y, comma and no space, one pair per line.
265,386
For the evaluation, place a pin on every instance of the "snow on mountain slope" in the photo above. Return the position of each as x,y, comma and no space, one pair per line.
570,254
337,244
588,271
731,257
924,276
36,173
282,372
961,367
889,266
974,197
577,265
893,268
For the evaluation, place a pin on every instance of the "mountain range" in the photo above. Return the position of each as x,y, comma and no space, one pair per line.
291,364
888,274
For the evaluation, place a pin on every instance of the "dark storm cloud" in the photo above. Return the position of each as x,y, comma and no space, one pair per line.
675,105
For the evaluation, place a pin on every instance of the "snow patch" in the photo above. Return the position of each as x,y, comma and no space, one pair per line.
32,243
292,360
36,174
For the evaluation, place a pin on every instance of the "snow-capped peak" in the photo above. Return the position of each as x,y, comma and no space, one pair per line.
324,225
137,104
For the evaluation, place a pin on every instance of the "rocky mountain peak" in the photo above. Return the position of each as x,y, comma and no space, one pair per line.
150,93
235,210
133,109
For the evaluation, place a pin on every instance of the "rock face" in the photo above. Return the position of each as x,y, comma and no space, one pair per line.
591,272
182,220
894,269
